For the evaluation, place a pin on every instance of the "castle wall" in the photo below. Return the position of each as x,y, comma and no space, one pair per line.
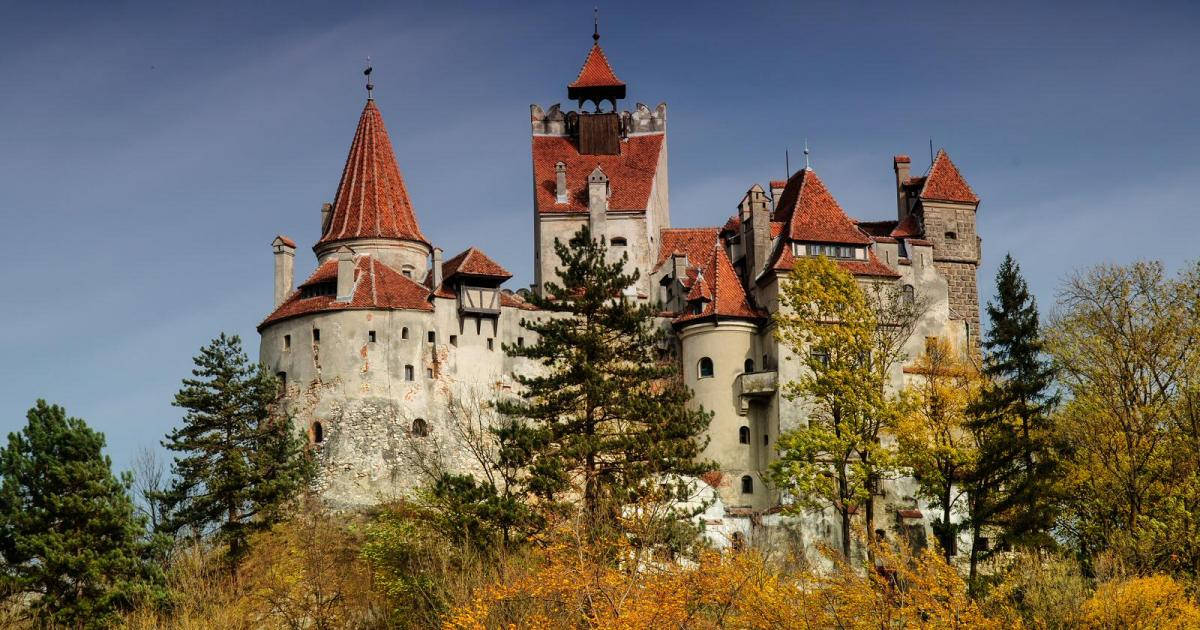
403,256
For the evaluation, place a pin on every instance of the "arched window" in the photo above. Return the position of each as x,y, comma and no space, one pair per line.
747,484
749,366
404,333
318,433
618,242
909,294
744,435
706,367
420,428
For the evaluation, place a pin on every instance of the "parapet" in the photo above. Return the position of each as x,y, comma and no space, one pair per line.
555,122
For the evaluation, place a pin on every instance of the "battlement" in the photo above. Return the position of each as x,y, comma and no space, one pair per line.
555,122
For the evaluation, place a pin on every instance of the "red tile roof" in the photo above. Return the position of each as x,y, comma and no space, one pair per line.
473,262
286,241
901,159
630,173
721,288
596,72
908,228
945,183
734,224
512,300
376,286
777,228
812,214
778,183
371,200
695,243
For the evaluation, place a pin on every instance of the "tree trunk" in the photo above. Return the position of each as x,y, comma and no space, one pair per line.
843,492
948,536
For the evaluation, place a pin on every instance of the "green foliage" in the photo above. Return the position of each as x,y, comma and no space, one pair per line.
69,537
1014,483
834,325
609,418
1128,346
238,465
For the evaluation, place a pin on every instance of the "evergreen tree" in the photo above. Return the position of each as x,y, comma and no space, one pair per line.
69,536
1018,456
608,420
239,464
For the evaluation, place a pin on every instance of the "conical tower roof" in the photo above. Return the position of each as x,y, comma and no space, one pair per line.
371,200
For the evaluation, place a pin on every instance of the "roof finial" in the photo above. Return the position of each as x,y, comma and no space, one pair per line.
596,24
367,73
806,166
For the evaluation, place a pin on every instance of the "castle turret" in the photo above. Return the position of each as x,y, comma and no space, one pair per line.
371,209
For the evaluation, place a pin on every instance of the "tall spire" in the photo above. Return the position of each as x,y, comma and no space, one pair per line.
596,81
372,201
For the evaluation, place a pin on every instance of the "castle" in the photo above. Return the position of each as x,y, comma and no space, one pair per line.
380,345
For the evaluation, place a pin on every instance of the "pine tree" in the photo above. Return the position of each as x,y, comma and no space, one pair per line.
1018,456
69,536
239,464
609,419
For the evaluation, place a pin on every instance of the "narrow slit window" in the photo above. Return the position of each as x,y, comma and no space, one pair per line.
409,373
318,433
432,336
744,435
491,344
316,335
287,342
404,333
520,342
371,336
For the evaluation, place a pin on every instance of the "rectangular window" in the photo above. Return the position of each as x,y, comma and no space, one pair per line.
432,337
520,342
316,335
409,374
454,340
371,336
287,342
428,372
491,344
282,376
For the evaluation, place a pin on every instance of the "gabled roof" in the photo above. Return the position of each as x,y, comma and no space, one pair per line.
719,291
371,200
596,72
376,286
473,262
812,214
630,173
695,243
945,183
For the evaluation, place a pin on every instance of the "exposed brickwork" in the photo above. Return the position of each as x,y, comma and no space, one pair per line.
964,294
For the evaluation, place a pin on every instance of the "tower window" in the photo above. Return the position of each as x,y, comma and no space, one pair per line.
748,366
407,271
371,336
318,433
744,435
950,236
432,337
420,428
618,242
282,376
706,367
909,295
747,484
428,372
454,340
409,373
491,344
766,439
287,342
316,335
404,333
520,342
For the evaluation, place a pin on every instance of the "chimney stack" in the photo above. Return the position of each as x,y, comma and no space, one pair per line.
345,274
597,202
285,260
560,183
437,267
901,164
678,269
759,234
326,214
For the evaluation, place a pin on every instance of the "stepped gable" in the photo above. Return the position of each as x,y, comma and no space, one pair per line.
812,214
630,173
720,290
376,286
945,183
371,200
695,243
596,72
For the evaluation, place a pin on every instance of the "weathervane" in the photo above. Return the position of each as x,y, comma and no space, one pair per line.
806,167
367,73
596,24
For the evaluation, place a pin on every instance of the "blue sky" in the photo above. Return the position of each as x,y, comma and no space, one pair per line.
150,151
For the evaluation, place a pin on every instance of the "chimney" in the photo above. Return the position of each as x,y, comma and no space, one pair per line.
345,276
679,269
560,183
758,243
777,187
326,213
597,202
285,260
437,267
901,164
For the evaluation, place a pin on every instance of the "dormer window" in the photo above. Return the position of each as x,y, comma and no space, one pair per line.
407,271
830,251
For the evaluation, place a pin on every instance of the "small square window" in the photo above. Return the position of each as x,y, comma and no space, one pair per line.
316,335
428,372
371,336
287,342
520,342
454,340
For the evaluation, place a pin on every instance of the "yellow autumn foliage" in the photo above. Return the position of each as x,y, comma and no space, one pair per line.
1156,602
